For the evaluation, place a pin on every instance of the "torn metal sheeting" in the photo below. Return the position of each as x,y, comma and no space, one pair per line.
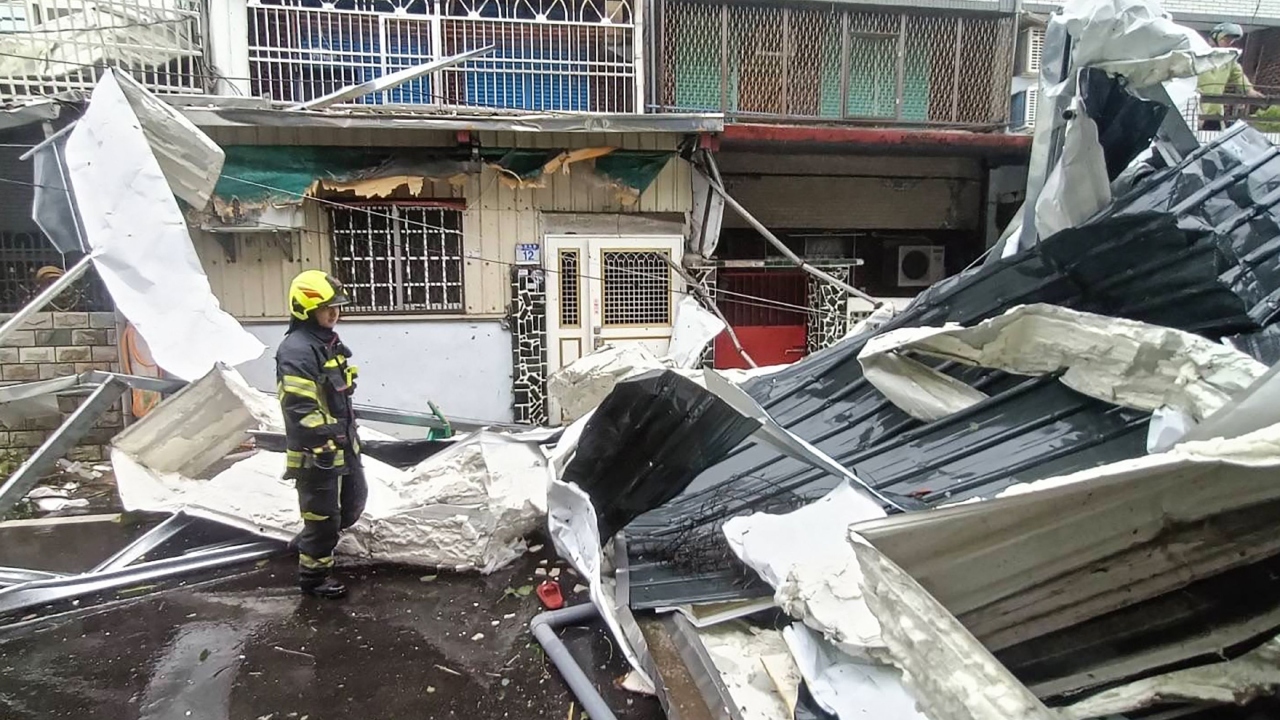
149,265
1172,252
653,432
574,529
844,688
1083,43
33,400
1126,363
190,160
1239,681
467,506
38,593
1068,563
59,443
941,662
18,114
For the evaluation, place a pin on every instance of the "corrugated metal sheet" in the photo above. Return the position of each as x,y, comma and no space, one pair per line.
1193,247
496,220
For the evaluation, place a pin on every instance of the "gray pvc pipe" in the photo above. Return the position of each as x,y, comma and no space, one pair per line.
544,627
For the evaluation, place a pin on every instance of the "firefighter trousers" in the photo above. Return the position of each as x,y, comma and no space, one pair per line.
330,503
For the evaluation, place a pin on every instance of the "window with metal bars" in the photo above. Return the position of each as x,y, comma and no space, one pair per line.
22,255
401,258
570,300
637,287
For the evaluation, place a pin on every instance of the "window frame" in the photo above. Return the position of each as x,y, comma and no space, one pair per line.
398,259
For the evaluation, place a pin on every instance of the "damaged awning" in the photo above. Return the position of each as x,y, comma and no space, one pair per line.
255,177
630,172
259,176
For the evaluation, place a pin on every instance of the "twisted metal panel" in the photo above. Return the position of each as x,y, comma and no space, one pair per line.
834,63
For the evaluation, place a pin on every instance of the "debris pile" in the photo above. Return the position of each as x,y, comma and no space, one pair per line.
1042,490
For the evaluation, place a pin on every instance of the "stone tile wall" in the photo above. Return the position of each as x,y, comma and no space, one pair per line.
58,344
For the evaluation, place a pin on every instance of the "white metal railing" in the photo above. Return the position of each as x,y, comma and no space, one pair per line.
550,55
49,47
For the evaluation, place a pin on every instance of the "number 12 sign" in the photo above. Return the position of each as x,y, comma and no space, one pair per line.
528,253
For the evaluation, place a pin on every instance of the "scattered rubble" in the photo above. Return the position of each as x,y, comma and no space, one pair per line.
950,515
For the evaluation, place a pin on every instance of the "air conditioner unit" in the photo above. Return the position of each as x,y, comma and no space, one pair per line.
921,265
1030,52
1022,111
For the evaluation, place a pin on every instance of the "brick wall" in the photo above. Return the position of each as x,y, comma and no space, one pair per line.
58,344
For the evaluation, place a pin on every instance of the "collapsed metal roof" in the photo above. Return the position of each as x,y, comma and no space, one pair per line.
1191,246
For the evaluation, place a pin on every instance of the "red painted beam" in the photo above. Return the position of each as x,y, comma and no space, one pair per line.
877,138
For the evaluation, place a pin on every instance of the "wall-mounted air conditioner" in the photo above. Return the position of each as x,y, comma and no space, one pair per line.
1022,111
1030,51
921,265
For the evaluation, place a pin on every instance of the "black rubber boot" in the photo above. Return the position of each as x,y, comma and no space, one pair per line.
330,589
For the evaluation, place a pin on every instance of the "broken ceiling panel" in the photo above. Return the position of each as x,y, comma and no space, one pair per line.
1190,247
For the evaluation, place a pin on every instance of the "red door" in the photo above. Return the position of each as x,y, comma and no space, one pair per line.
766,310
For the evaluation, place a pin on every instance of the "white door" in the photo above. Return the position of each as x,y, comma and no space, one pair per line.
609,290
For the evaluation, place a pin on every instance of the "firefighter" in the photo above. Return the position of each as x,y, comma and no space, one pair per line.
315,381
1220,80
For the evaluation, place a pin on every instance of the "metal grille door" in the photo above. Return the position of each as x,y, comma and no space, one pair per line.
609,290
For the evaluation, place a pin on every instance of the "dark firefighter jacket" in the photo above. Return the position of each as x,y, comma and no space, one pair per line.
315,382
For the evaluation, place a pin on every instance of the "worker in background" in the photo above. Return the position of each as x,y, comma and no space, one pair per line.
316,380
1221,80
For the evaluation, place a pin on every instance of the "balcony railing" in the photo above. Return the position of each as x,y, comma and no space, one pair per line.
1255,111
48,47
550,55
835,64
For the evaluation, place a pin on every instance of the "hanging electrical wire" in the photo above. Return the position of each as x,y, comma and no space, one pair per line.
755,300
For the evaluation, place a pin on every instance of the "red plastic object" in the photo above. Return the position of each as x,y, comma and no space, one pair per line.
549,594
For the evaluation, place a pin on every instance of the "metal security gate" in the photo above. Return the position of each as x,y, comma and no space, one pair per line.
610,290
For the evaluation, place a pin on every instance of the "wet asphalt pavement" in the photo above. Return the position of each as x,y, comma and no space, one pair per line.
250,648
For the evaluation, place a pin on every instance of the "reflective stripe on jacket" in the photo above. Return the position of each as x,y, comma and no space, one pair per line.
315,382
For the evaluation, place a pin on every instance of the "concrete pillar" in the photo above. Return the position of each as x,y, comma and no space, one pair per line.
227,46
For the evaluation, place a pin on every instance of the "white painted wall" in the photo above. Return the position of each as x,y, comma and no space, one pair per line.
464,366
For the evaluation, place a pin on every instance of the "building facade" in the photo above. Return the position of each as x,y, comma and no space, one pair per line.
501,217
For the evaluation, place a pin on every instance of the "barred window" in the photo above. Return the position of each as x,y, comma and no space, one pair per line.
637,287
23,255
399,258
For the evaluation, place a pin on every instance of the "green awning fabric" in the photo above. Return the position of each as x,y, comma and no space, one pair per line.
523,164
289,170
256,174
632,169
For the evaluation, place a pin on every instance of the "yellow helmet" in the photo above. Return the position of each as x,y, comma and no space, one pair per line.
313,289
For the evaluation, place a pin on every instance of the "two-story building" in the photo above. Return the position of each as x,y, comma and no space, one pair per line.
501,217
